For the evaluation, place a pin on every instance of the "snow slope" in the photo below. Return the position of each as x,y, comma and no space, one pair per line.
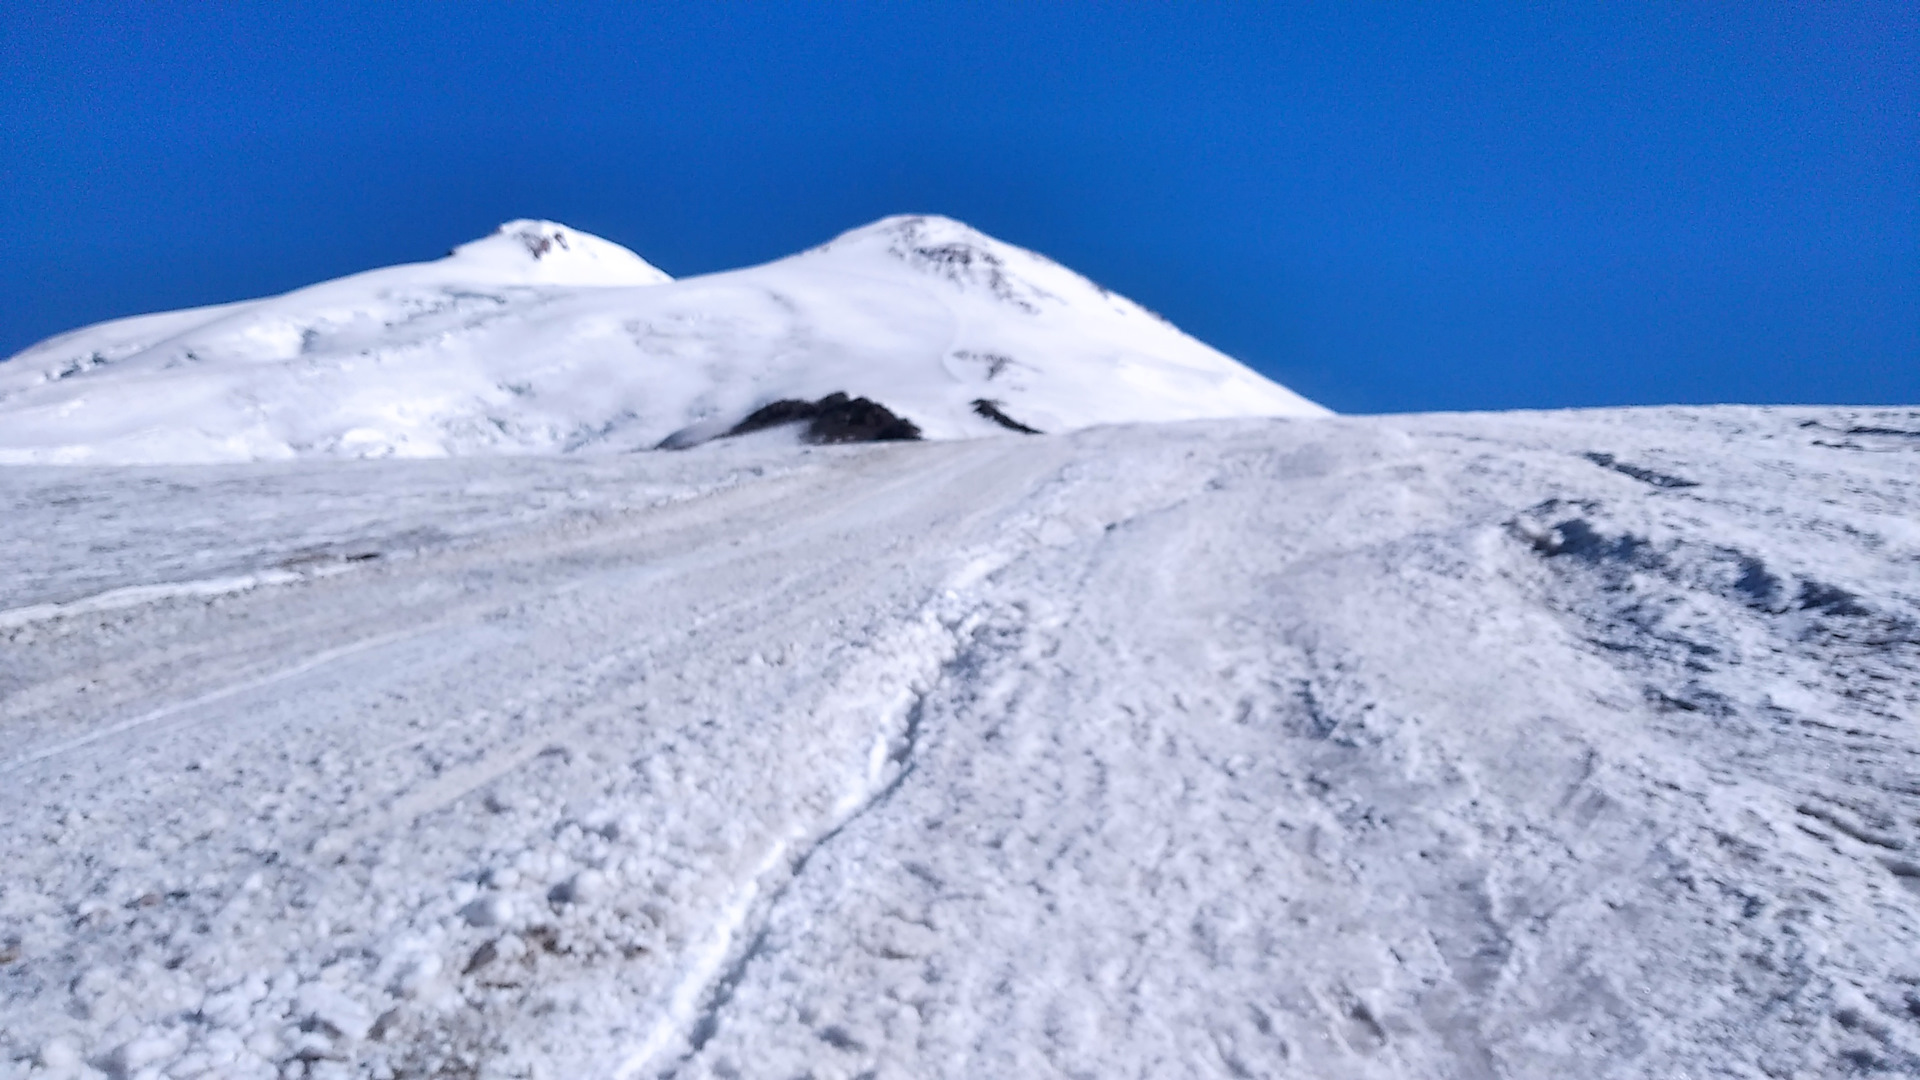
541,338
1443,746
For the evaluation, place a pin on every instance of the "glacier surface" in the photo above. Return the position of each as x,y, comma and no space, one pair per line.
1526,745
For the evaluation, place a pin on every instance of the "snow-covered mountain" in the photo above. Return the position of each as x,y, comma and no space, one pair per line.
1516,746
1511,746
542,338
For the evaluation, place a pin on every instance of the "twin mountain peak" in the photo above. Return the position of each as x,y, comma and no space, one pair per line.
540,338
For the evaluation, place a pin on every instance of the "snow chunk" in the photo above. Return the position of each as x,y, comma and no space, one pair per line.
327,1005
488,911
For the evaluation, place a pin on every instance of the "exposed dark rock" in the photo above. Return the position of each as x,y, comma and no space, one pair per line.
964,262
991,410
1639,472
784,411
996,364
858,420
835,418
486,954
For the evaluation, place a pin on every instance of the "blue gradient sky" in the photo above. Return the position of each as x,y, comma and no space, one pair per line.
1387,207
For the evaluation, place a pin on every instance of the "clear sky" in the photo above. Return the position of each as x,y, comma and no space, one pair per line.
1386,206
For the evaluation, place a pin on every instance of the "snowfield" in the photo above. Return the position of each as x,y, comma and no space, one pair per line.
542,339
1524,745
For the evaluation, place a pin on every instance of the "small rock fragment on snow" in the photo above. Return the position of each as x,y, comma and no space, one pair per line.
486,954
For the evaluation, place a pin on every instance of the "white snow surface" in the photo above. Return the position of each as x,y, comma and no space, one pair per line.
1524,745
542,338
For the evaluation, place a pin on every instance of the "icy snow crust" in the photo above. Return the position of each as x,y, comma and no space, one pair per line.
541,338
1524,745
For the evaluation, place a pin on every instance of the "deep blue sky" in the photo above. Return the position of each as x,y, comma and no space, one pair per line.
1388,207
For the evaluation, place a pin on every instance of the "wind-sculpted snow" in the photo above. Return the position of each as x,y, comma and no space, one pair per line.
542,339
1476,746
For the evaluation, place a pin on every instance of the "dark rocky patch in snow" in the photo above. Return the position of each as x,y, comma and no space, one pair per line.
1882,431
1640,473
990,409
784,411
1726,572
835,418
993,364
965,258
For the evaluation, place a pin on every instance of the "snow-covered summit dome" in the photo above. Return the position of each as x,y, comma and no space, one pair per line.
901,233
553,254
941,247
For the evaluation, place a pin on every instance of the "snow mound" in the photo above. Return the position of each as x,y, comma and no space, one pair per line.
540,339
552,254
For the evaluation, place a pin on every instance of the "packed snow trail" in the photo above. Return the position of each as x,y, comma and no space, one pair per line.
1523,745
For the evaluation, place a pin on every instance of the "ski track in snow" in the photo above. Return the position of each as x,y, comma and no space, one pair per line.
1453,746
